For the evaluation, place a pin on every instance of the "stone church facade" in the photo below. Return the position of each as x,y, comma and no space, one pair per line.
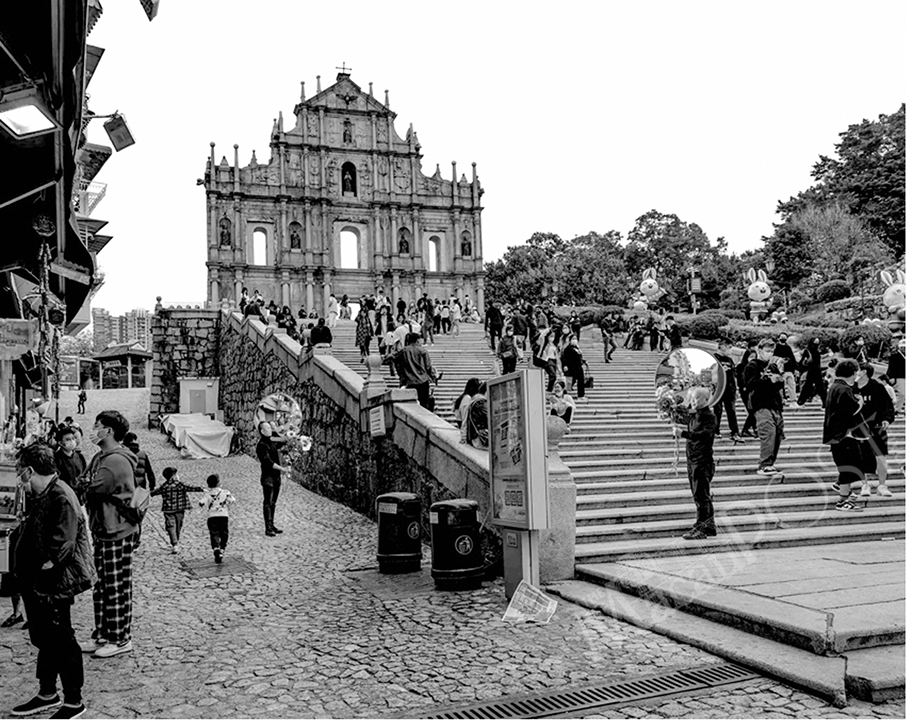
341,207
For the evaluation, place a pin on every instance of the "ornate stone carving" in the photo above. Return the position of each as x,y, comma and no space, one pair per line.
401,175
313,126
332,176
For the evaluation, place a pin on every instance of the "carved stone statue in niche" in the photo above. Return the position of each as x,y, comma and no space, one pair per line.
347,132
295,238
466,245
347,182
403,242
226,235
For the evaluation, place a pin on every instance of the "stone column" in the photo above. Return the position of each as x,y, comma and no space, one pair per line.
326,292
213,231
285,287
214,286
309,290
392,240
416,249
480,296
307,245
238,282
557,544
283,244
395,291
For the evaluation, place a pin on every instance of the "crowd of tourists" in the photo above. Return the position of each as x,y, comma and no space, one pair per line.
80,523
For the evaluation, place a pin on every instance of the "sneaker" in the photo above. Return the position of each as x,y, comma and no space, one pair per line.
836,488
218,556
90,646
36,705
111,649
67,712
174,549
767,470
276,529
866,491
884,491
847,506
695,534
13,619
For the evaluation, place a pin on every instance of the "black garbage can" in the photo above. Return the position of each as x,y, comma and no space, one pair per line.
456,550
399,532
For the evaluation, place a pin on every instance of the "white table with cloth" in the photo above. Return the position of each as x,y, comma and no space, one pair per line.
197,435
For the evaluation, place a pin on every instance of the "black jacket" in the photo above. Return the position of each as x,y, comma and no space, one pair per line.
763,393
783,350
727,362
700,436
877,405
54,534
267,454
493,317
842,413
673,335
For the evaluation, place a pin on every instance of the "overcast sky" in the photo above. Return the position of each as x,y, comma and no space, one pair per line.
580,115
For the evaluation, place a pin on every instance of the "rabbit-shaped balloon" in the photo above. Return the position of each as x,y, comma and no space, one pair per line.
894,299
648,286
759,292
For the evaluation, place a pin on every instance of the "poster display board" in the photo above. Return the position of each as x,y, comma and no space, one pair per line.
518,450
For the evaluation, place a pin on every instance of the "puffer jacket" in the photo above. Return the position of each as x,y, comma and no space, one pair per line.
110,487
55,532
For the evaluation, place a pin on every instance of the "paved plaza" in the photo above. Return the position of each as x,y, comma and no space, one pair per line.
302,625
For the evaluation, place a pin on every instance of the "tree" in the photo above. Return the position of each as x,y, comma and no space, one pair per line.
840,242
790,249
591,270
671,246
80,345
866,178
525,271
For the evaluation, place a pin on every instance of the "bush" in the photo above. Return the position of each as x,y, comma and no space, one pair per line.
823,319
740,333
717,315
732,314
877,338
702,327
833,290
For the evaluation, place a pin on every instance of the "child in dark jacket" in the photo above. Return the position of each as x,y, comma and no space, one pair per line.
176,500
700,435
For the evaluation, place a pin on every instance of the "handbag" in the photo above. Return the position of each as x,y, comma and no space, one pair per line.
138,505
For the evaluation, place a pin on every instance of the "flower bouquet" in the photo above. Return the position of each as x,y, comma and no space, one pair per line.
295,446
672,405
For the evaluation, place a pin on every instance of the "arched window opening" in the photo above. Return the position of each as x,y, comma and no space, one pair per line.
404,241
348,179
349,249
259,247
434,253
466,244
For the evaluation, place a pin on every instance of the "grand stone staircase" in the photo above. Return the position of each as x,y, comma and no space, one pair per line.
633,500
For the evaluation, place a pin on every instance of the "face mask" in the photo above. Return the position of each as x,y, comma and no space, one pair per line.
96,437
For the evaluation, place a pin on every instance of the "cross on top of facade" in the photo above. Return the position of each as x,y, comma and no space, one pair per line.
345,70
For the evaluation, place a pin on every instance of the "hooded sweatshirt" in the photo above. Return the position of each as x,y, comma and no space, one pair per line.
110,487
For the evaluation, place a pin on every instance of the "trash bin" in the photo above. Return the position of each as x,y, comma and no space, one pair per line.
399,532
456,551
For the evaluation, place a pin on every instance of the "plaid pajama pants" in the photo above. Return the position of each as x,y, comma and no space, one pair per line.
112,593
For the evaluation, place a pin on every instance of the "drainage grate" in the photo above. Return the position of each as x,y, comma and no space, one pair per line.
565,702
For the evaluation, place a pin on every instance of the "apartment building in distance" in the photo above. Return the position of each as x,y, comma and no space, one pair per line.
134,326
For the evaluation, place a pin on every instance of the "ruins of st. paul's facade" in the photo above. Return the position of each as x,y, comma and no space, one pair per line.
341,207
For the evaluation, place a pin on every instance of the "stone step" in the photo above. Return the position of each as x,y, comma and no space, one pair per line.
644,547
773,618
727,507
721,492
663,528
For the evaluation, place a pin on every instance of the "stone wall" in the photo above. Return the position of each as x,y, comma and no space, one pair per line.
185,343
420,453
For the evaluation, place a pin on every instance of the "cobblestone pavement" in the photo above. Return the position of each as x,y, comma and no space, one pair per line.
314,631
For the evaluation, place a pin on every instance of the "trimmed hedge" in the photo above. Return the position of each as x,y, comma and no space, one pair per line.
732,314
717,315
739,333
833,290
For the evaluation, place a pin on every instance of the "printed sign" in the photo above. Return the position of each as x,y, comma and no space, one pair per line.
376,425
529,604
17,337
464,544
413,530
517,439
389,508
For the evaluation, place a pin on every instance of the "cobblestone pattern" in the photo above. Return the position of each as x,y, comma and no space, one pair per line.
345,464
185,343
313,633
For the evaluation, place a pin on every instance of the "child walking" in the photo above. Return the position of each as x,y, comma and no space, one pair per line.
176,500
217,499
